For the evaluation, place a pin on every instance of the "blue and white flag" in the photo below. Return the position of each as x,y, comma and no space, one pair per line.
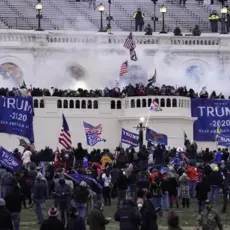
16,116
155,137
8,161
129,138
93,133
223,140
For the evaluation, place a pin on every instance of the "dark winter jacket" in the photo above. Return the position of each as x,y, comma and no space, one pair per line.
216,178
81,194
13,201
122,182
202,189
76,222
172,186
40,190
128,216
149,216
5,219
52,223
96,220
63,193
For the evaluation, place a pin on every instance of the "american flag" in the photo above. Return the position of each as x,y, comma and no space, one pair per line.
124,68
65,136
154,106
130,42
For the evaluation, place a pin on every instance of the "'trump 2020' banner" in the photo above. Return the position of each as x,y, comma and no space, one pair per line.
16,116
129,138
211,114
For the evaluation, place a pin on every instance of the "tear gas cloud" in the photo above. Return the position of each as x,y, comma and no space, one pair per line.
102,69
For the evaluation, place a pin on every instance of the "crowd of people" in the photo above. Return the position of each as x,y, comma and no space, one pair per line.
128,91
146,185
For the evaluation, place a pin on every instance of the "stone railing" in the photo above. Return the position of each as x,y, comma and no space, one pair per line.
64,38
76,103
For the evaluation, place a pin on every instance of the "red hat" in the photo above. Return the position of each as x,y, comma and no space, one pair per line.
53,212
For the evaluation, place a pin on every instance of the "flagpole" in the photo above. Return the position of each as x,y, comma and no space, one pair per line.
147,119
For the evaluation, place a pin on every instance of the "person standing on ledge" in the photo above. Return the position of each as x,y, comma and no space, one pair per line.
139,19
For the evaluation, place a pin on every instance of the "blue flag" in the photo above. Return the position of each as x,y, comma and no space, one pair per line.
154,137
8,161
129,138
93,133
223,140
212,116
16,116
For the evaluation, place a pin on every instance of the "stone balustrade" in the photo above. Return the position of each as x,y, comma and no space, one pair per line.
64,38
76,103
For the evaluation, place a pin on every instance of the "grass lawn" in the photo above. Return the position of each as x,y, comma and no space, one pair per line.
187,217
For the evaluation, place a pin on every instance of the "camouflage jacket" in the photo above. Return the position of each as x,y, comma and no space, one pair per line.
209,220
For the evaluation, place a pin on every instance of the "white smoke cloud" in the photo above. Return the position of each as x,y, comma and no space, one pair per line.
102,69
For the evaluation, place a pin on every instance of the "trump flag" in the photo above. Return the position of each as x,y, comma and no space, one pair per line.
8,161
155,137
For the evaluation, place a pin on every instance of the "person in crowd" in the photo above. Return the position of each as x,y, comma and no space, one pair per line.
173,221
216,180
122,186
132,178
75,221
96,219
81,194
148,30
192,175
7,183
196,31
52,222
114,176
139,19
128,215
6,222
26,158
183,2
202,190
106,181
209,219
165,192
26,184
148,214
184,190
218,156
214,18
40,195
63,194
177,32
156,188
173,190
105,160
13,204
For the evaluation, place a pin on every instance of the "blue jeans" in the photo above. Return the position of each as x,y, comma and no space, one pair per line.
133,190
157,203
214,192
165,201
39,210
192,189
81,207
201,205
16,220
63,207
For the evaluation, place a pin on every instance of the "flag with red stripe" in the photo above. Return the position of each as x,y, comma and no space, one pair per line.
65,136
124,68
